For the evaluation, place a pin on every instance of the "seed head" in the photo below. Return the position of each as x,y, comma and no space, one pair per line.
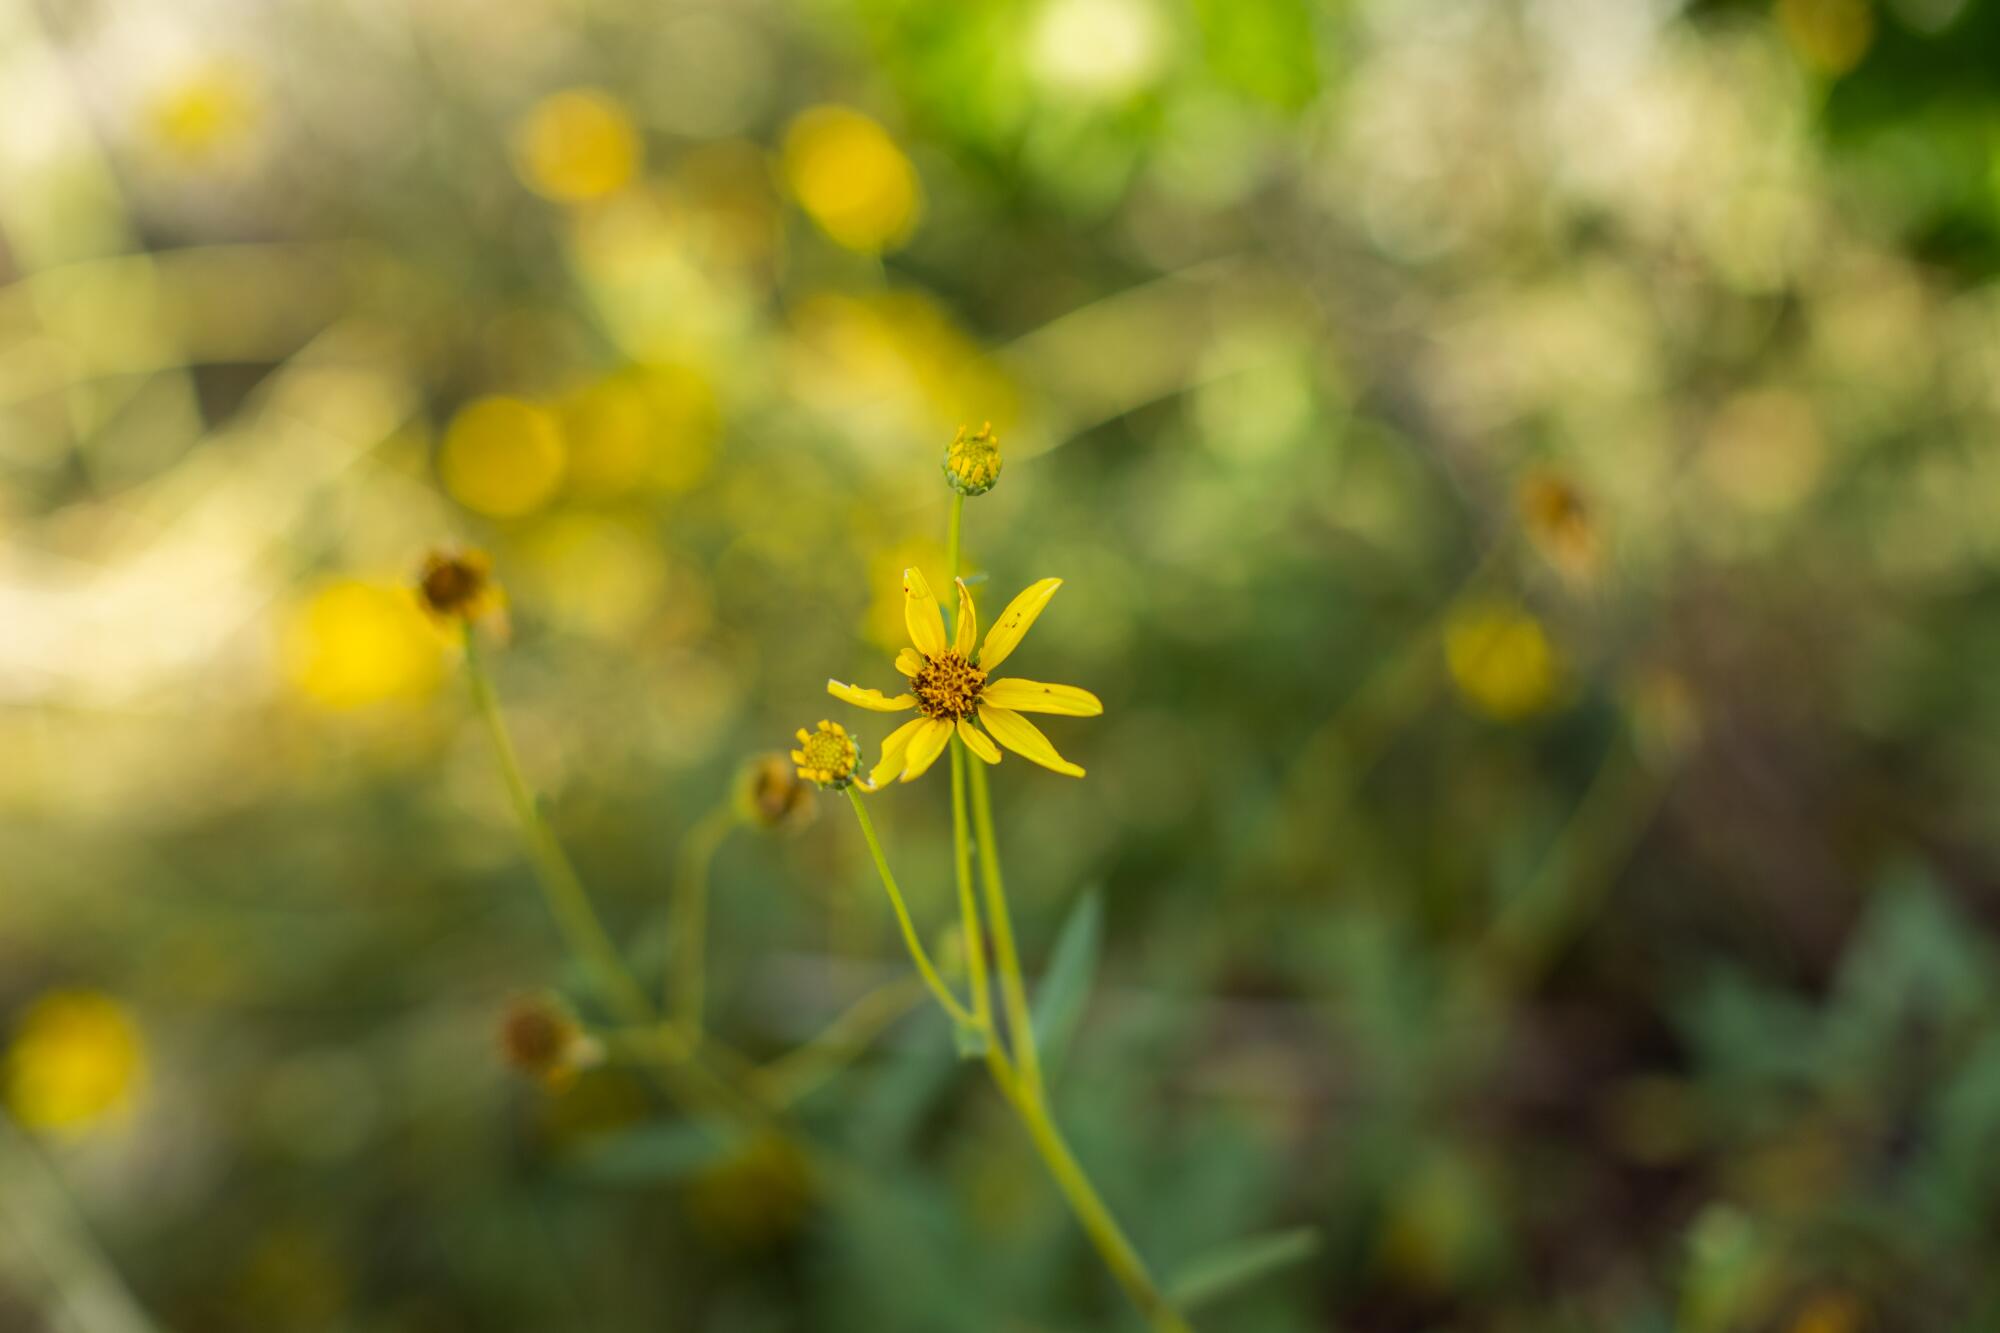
972,462
457,585
542,1041
772,795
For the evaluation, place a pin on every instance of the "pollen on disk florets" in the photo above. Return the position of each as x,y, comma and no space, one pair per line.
972,462
948,687
456,585
827,755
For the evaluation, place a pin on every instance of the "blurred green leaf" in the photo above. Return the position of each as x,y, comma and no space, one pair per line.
1220,1272
652,1154
1065,988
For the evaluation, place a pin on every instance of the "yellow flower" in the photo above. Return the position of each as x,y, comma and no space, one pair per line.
76,1058
950,685
972,462
827,756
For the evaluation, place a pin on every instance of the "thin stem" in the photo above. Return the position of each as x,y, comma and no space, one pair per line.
568,903
1013,990
1091,1213
687,960
951,548
943,993
82,1279
968,906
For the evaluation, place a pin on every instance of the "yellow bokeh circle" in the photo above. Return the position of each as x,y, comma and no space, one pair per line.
76,1057
851,179
502,456
577,145
1501,660
355,643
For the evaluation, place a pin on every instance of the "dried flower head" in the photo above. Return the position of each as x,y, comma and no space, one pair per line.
972,462
457,585
827,755
1559,522
771,794
541,1040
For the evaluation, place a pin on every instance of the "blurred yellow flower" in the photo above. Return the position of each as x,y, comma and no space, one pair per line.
577,145
356,643
503,456
851,179
647,426
76,1058
1830,35
205,113
772,794
949,686
1501,660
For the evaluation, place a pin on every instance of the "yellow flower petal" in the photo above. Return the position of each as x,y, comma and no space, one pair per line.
967,636
893,746
874,699
1014,621
978,742
921,614
925,747
1024,738
1034,696
909,661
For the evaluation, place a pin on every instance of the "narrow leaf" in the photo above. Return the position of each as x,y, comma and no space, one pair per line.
1065,988
651,1154
1239,1263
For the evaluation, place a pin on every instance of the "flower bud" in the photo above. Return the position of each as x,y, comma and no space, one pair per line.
972,462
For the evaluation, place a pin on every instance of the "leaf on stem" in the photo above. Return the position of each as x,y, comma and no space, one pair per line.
1239,1263
1065,988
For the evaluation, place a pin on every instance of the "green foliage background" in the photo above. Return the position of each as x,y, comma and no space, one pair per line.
1662,1001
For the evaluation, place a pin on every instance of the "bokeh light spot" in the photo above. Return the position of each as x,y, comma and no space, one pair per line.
502,456
355,643
1501,660
851,178
76,1058
577,145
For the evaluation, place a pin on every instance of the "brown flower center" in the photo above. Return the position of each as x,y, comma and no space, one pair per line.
948,687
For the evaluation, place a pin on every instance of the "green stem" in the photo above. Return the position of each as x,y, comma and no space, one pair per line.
1013,990
968,906
951,548
687,979
1091,1213
568,903
85,1291
958,1012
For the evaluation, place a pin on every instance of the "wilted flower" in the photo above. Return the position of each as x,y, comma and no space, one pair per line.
949,686
1559,522
458,585
972,462
771,794
541,1040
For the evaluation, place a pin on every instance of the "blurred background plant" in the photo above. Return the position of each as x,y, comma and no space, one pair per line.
1525,480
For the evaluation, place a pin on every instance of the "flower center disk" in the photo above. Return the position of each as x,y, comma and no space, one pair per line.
948,687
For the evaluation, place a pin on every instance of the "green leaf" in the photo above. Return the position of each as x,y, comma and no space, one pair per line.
652,1154
1065,987
1239,1263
